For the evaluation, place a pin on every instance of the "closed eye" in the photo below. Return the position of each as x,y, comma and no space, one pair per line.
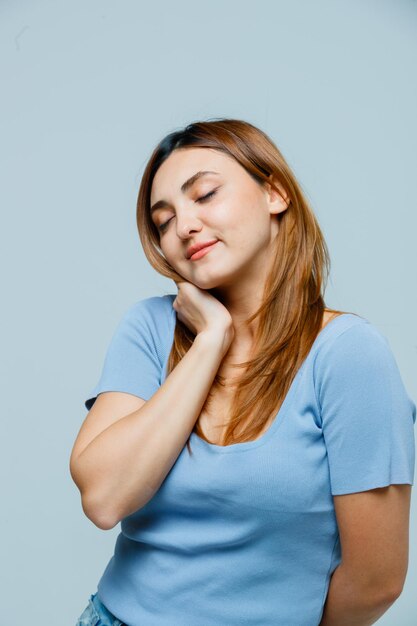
209,195
203,199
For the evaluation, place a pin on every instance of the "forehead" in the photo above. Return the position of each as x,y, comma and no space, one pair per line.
184,163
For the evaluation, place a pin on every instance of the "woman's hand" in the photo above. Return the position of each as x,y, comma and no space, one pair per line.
202,312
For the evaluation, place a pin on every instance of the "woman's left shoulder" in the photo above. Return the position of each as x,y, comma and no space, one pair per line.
357,358
354,344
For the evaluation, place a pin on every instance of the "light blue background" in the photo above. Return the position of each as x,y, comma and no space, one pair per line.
88,89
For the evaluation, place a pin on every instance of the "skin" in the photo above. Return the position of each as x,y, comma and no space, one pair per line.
241,214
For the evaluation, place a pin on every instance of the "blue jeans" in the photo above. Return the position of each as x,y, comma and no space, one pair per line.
96,614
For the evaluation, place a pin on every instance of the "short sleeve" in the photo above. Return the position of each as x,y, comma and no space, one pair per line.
367,417
138,348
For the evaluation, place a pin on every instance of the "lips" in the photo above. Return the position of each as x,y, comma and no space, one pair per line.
199,246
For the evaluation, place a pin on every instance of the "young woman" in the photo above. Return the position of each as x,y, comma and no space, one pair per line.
256,446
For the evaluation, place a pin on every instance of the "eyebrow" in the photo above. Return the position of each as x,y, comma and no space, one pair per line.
184,187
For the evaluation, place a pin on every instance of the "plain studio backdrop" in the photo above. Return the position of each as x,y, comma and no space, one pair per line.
88,89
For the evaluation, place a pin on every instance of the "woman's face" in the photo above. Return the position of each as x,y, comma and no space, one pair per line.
226,205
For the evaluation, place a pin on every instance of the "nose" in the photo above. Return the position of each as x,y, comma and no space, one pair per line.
187,224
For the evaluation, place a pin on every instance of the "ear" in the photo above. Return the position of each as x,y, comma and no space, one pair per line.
279,200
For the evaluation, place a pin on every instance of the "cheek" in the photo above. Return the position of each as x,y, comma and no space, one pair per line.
229,221
169,253
243,227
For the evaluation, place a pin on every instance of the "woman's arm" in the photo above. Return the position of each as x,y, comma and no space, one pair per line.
349,603
120,470
374,534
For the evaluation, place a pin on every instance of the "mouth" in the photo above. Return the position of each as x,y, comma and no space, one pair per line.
202,252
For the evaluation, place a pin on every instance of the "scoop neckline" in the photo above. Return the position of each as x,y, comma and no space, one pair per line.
280,415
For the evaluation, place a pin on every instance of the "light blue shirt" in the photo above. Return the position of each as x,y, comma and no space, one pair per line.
246,534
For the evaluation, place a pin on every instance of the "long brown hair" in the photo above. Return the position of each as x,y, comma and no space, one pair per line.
291,313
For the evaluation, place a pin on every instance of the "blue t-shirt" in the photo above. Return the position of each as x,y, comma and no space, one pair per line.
247,533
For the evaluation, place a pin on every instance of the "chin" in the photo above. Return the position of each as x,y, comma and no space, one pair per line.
210,277
212,282
206,284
